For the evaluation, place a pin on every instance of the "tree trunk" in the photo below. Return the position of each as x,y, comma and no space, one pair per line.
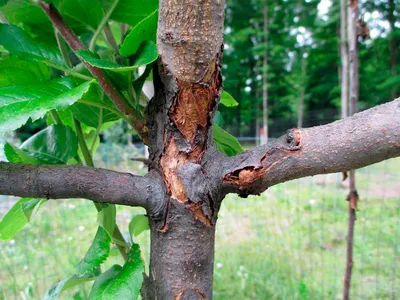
353,12
300,109
265,75
344,47
187,89
393,44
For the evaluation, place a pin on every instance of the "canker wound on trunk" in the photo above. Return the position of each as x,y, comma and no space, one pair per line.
190,119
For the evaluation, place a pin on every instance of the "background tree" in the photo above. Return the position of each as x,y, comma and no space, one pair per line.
81,85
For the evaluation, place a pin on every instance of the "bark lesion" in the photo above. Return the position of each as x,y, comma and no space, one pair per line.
186,134
247,175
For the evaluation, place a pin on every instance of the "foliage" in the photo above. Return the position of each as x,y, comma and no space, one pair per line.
41,78
298,29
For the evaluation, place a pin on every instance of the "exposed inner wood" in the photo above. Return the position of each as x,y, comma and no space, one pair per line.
190,122
243,178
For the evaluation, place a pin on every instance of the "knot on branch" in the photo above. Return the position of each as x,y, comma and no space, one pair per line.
353,198
293,139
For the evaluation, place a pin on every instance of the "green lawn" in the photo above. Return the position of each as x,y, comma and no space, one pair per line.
288,243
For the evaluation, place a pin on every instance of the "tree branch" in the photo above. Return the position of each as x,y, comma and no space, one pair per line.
363,139
100,185
104,81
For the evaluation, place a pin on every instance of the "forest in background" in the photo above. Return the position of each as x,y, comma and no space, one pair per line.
303,55
303,65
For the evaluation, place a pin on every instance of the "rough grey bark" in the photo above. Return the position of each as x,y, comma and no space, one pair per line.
99,185
189,41
363,139
353,12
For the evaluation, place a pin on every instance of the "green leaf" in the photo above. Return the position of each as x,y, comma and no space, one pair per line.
55,144
97,253
69,282
18,216
138,224
3,2
103,281
80,15
107,218
13,154
14,71
18,42
227,100
129,11
92,108
225,142
145,30
127,284
65,116
19,103
146,54
24,11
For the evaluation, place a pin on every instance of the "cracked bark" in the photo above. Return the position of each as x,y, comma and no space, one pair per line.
363,139
188,176
189,40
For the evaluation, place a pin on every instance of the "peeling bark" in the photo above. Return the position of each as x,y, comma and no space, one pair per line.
363,139
188,176
188,87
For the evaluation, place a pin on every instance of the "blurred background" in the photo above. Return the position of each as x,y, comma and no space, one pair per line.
290,242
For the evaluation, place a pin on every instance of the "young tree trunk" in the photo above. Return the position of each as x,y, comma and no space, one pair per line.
344,51
300,109
187,89
393,44
265,74
353,12
188,176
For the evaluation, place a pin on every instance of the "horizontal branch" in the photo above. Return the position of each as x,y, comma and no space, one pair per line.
104,81
363,139
99,185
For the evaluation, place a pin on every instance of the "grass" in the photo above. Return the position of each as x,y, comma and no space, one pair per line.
288,243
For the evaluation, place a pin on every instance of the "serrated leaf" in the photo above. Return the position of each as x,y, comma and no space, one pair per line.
138,224
69,282
103,281
18,216
14,71
145,30
97,253
131,12
146,54
18,42
225,142
228,100
19,103
127,284
107,218
55,144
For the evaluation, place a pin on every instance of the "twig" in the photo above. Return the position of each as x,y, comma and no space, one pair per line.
134,118
102,25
